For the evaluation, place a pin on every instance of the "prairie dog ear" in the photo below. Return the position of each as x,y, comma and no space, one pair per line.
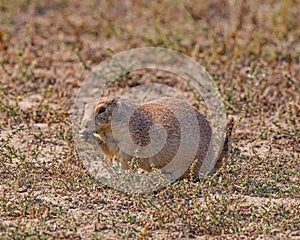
109,102
122,104
116,101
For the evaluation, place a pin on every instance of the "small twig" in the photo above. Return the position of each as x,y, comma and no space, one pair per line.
86,67
7,169
5,70
169,207
237,123
196,49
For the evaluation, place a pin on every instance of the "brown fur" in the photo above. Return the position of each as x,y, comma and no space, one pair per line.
140,122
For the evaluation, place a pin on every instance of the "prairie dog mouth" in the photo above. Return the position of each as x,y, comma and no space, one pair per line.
89,135
85,135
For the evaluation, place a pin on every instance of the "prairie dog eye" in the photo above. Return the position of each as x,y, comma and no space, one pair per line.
101,110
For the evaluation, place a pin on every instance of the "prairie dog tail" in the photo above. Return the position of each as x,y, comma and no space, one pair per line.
227,145
227,142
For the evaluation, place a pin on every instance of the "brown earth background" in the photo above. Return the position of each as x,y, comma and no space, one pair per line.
252,51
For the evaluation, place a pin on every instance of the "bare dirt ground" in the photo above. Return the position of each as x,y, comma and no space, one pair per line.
252,50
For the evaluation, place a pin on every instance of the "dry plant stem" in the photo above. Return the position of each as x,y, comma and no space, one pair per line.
86,67
5,70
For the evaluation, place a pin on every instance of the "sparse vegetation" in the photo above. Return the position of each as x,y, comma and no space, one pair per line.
251,48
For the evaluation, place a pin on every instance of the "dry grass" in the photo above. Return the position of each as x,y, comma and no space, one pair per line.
251,48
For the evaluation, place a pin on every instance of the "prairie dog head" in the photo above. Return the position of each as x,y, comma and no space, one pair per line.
97,118
96,122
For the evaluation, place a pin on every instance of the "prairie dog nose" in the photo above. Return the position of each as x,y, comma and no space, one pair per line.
87,125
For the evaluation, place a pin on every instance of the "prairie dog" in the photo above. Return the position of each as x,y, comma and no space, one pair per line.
106,123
